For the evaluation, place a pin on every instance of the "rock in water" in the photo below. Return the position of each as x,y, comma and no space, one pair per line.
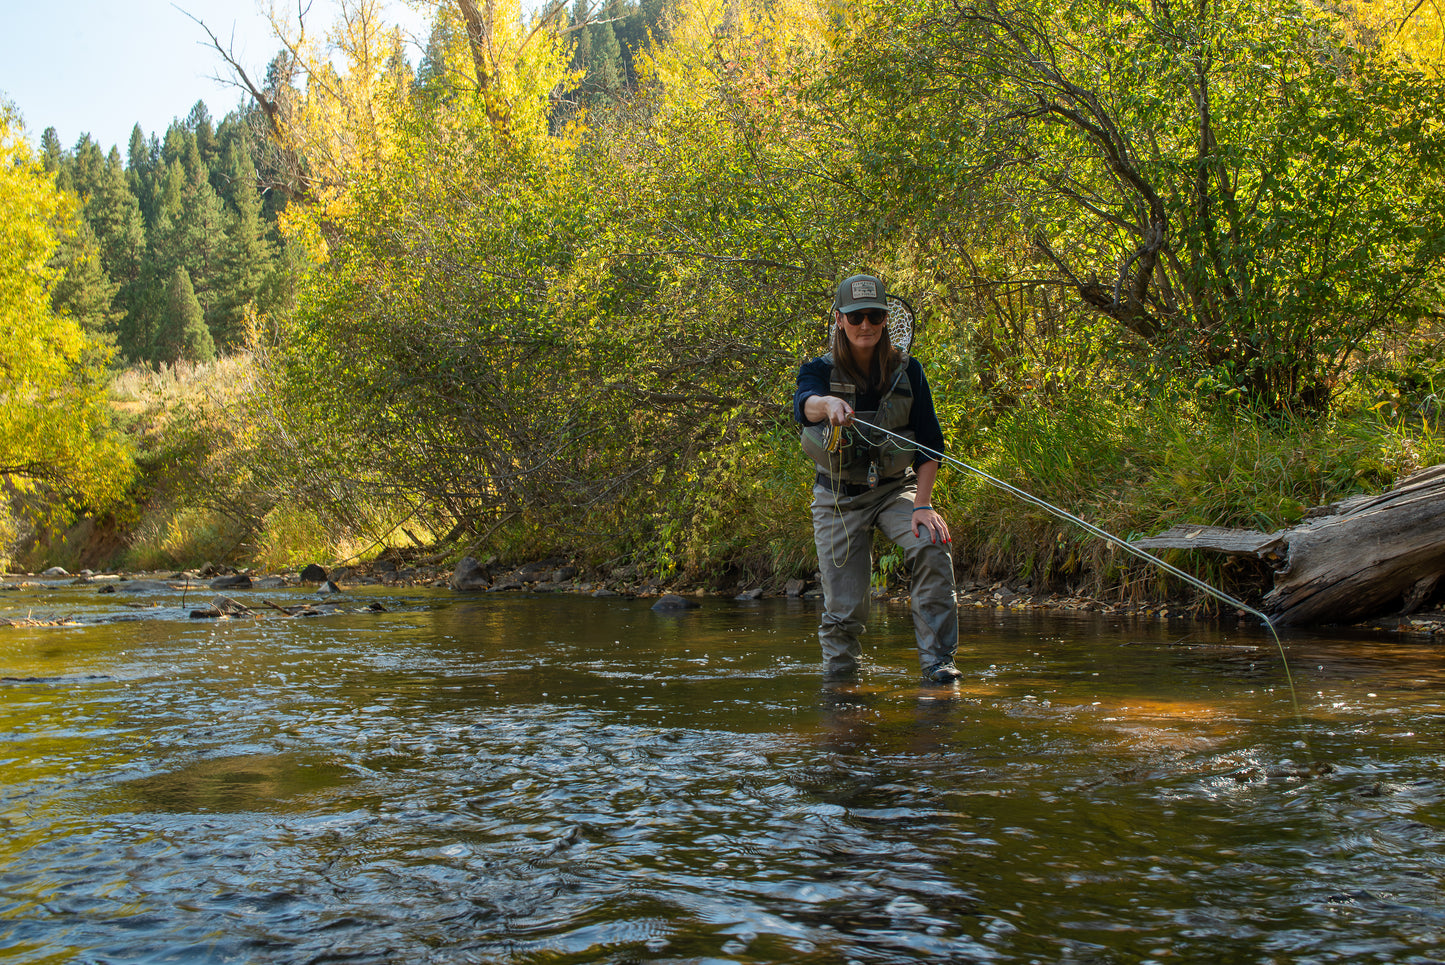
228,606
138,586
238,582
671,601
469,575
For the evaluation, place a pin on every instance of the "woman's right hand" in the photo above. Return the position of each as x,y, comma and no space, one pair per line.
839,412
829,409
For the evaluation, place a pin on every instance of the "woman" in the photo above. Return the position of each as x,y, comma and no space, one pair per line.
873,480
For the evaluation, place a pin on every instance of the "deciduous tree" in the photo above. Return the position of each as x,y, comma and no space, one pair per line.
56,442
1248,199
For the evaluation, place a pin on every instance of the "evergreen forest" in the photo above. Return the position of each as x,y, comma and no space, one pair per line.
538,284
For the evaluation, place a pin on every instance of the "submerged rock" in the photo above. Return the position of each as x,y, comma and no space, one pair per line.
671,601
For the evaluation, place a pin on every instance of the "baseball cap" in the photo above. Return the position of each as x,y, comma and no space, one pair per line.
857,292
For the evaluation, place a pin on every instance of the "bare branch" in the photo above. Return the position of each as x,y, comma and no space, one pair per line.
270,108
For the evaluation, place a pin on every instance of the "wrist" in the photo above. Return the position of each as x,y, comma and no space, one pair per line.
918,509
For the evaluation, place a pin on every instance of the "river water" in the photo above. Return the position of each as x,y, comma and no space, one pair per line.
550,778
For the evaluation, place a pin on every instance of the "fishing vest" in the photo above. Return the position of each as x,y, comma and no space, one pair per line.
862,459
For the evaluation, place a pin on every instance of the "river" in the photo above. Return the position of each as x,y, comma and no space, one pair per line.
556,778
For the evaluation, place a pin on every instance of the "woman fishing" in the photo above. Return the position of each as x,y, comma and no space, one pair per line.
869,479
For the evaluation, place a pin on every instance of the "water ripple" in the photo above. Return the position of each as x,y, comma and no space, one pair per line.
569,780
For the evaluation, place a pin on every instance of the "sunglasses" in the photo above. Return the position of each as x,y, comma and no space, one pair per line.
873,316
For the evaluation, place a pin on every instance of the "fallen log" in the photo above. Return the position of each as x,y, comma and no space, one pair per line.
1220,539
1363,557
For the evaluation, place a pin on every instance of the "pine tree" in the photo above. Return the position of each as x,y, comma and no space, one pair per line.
189,232
605,70
434,76
51,153
178,204
182,334
139,159
180,147
654,15
164,246
115,216
164,253
204,243
630,29
82,290
198,121
87,166
248,257
581,36
140,171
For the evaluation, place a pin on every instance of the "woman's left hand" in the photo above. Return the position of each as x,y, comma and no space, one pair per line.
928,521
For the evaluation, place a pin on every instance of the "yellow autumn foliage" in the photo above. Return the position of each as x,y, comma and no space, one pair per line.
57,448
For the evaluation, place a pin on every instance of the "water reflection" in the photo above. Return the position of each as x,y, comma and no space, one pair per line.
252,782
557,779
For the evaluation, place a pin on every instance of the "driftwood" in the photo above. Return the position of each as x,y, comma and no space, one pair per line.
1363,557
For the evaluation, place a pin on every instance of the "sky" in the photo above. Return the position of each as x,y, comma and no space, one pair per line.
102,66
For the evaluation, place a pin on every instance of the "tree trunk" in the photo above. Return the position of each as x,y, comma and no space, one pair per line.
480,21
1363,557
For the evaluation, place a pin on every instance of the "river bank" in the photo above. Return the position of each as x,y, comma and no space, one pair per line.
554,576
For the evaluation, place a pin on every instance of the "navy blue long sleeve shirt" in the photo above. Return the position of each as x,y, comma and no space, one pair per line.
815,377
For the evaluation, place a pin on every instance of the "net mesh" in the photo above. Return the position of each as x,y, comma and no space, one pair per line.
900,324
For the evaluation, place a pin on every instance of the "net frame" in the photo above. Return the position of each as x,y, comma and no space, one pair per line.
901,318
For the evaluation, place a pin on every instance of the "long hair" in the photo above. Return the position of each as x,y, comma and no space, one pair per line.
885,358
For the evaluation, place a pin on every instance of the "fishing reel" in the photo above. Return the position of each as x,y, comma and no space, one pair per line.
824,442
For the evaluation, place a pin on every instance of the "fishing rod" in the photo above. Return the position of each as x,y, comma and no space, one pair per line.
1105,535
1084,524
901,318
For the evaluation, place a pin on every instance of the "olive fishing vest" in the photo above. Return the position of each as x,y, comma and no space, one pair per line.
863,459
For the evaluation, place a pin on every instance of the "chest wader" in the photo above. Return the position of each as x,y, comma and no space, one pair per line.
852,460
862,485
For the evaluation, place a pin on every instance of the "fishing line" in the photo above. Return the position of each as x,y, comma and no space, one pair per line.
834,444
1104,535
902,320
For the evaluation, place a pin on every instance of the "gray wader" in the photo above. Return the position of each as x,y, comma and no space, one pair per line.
843,531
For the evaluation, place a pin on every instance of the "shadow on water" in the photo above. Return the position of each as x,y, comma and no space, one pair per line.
504,778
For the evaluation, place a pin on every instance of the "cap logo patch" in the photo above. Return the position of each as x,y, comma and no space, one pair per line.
865,288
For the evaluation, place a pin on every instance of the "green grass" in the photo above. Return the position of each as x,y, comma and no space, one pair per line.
1136,469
